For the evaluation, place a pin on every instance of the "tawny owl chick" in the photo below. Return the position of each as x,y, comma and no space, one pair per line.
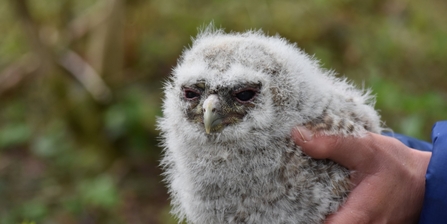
229,109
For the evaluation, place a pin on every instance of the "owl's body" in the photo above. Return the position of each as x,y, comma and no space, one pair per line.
228,115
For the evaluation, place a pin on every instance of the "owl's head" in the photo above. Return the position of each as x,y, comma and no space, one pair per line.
239,82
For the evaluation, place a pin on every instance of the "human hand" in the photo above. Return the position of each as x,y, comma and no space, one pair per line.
388,177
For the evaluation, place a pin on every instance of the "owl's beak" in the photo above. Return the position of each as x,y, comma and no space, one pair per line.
211,117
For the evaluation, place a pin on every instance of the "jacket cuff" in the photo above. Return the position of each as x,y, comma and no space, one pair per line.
434,209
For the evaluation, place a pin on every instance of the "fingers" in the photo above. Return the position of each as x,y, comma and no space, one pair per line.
388,177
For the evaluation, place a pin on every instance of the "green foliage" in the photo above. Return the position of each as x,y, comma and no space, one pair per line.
100,192
14,134
66,157
407,111
26,222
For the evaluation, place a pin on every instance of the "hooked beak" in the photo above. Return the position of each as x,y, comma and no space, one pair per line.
211,117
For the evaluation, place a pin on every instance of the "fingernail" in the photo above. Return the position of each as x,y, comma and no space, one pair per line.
304,133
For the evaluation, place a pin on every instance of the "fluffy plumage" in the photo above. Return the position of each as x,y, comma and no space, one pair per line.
229,109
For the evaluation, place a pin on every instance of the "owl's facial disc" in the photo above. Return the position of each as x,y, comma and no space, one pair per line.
218,107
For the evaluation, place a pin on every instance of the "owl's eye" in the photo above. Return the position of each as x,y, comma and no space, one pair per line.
245,95
191,94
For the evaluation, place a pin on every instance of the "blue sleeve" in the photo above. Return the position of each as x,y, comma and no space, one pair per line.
434,209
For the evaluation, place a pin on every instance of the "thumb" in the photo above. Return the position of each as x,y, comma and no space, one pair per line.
348,151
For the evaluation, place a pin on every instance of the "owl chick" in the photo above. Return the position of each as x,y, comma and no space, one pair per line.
228,113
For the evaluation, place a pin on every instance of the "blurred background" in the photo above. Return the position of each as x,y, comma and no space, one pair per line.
80,88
